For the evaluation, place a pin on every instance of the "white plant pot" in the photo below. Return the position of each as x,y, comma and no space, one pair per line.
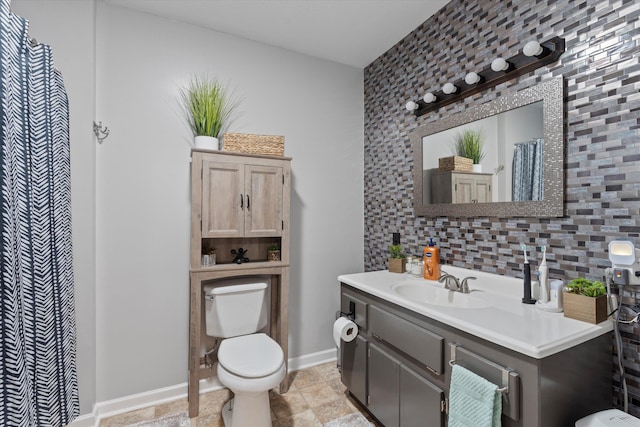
477,168
207,142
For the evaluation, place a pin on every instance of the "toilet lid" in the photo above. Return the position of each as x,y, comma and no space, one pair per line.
251,356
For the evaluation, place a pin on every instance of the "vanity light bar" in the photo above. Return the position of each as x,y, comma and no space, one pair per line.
534,56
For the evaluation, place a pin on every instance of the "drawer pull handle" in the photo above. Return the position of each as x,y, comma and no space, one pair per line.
505,378
432,370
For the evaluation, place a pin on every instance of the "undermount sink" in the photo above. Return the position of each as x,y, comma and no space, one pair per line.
429,294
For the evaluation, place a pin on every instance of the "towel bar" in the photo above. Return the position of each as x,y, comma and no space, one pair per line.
505,371
505,378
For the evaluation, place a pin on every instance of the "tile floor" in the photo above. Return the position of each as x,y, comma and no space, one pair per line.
315,397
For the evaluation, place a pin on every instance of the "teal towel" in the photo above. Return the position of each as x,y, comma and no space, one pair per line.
473,401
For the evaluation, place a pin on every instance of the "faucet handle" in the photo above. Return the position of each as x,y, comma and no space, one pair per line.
465,285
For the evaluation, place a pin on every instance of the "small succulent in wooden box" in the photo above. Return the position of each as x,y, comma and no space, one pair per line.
396,259
585,300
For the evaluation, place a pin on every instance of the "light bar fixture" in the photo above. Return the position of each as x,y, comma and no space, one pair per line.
533,56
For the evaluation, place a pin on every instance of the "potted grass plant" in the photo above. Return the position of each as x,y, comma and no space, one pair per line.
585,300
396,259
209,106
469,144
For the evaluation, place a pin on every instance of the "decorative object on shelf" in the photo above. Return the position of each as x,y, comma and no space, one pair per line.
239,255
208,260
100,132
585,300
273,253
396,259
469,144
208,256
209,107
533,56
455,163
270,145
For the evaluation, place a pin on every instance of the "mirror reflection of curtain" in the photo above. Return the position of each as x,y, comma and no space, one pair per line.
528,171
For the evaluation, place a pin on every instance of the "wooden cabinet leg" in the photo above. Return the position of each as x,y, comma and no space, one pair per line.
193,393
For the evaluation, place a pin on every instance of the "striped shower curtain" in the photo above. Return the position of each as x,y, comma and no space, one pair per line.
38,381
528,171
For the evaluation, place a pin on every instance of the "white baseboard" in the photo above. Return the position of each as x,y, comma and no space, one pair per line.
313,359
133,402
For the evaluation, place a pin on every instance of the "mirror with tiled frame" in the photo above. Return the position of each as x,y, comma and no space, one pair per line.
547,94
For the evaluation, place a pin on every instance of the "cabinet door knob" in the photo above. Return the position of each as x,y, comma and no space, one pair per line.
241,201
247,202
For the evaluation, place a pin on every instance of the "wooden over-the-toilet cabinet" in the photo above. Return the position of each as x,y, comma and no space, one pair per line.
237,201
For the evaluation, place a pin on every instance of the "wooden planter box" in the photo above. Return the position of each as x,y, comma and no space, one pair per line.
587,309
397,265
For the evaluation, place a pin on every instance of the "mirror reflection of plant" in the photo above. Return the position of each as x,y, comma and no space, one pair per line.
395,251
209,105
469,144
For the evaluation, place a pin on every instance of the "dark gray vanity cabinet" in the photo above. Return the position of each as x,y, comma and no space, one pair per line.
381,367
398,369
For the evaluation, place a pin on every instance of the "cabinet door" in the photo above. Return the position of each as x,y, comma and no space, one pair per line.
263,187
483,189
464,190
354,367
384,387
420,401
222,200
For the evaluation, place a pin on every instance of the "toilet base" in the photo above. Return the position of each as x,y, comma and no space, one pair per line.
227,413
250,410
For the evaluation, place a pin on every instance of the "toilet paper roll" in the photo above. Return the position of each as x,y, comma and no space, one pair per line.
345,330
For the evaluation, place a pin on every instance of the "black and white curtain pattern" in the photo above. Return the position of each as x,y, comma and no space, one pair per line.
38,380
528,171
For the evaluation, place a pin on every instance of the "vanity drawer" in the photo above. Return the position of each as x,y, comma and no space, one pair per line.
420,344
507,379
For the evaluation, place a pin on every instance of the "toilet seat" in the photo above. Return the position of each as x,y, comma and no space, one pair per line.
250,356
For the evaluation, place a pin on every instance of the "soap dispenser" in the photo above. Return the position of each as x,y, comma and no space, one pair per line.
431,261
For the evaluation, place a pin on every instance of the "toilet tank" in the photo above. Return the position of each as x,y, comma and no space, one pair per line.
237,306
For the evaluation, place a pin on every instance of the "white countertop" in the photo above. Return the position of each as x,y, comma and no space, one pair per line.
504,319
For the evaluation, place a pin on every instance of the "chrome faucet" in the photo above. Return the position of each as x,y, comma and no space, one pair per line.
465,285
452,283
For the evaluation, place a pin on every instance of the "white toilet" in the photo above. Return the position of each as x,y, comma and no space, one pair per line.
609,418
249,363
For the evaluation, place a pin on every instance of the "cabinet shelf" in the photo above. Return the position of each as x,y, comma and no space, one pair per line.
243,266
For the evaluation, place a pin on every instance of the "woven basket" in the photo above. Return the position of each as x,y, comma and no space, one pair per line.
455,163
270,145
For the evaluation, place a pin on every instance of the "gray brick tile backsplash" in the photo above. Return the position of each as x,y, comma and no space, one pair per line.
601,68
